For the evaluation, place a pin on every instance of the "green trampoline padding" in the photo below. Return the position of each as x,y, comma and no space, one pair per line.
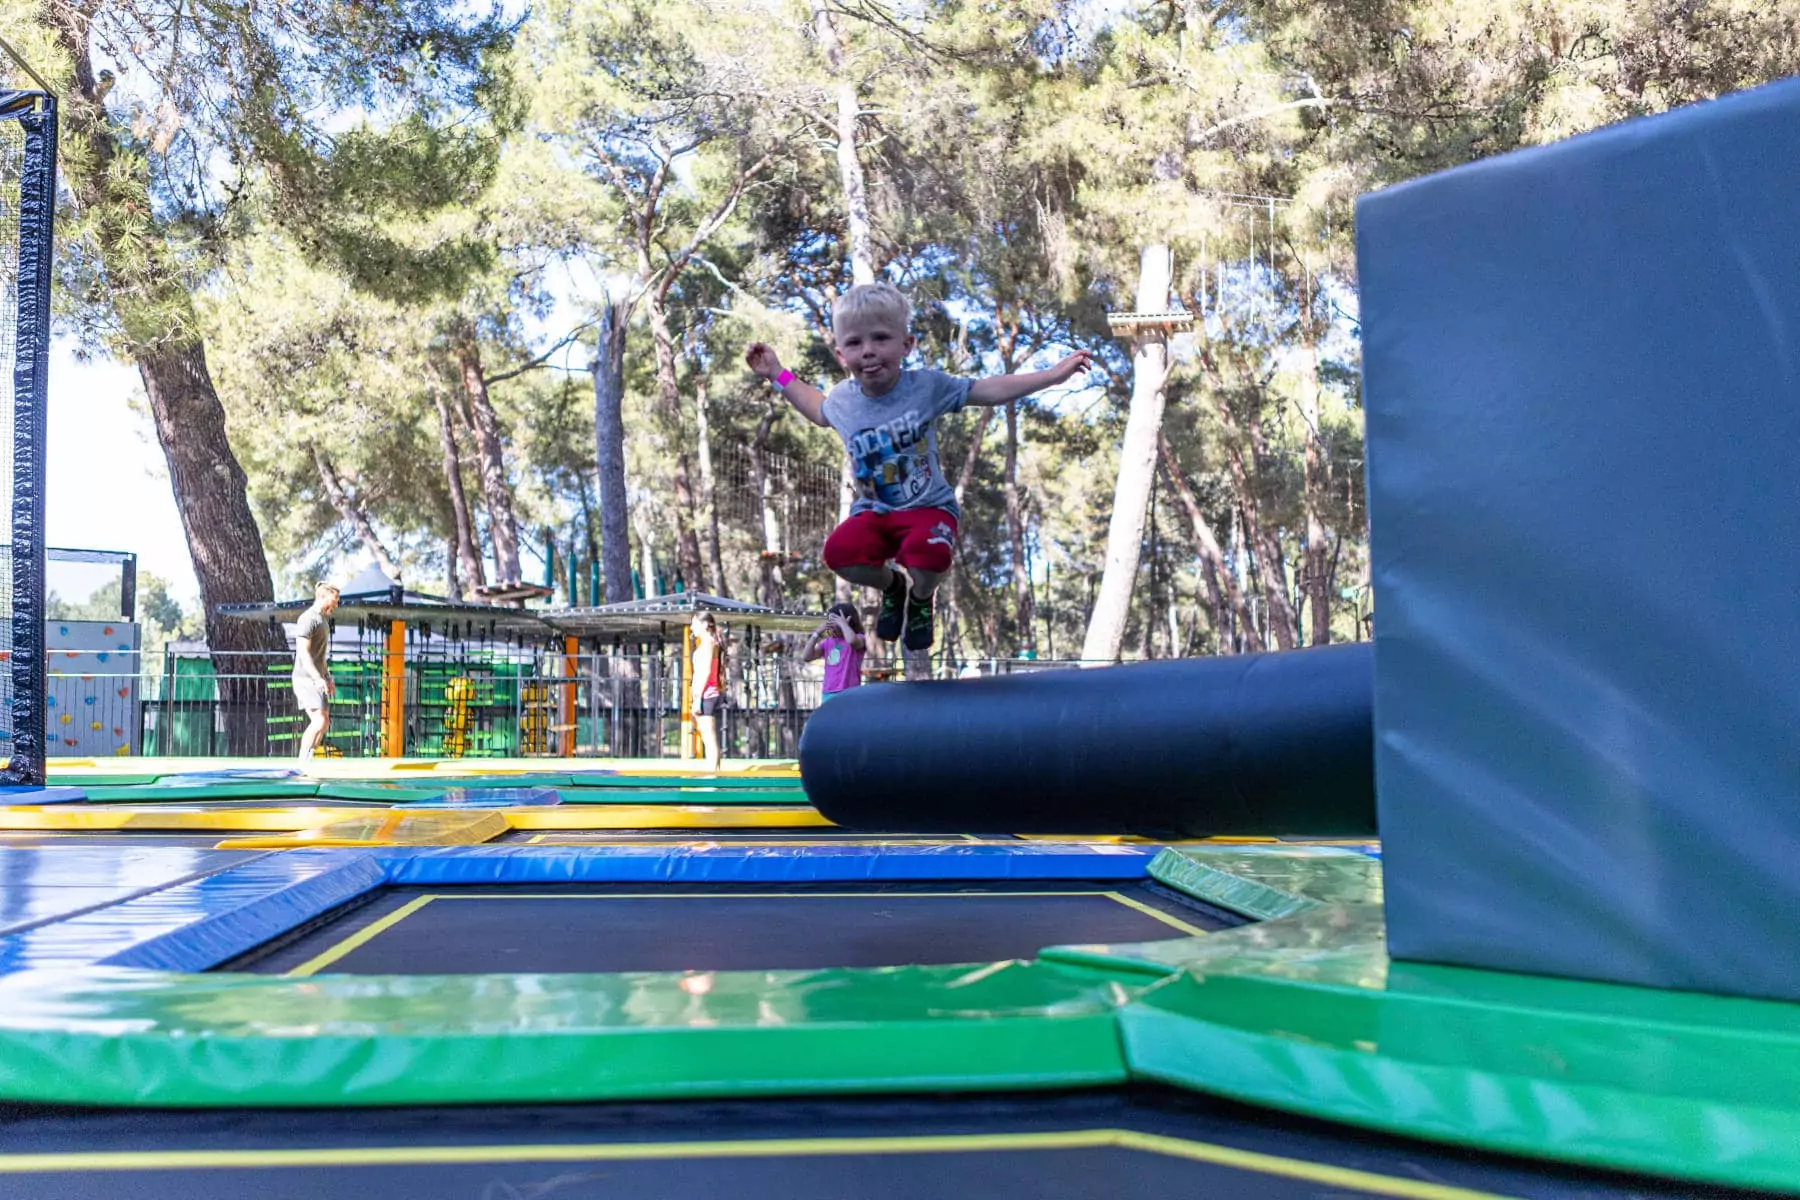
1698,1087
385,793
279,791
1277,882
276,790
726,782
146,1038
403,793
686,795
1302,1012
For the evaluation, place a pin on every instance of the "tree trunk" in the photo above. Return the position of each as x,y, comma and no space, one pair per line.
1015,524
668,403
856,204
1221,585
850,171
773,585
1316,582
957,611
1137,468
1284,622
464,552
844,593
352,514
496,490
208,483
1270,564
966,476
1283,626
609,446
229,562
709,495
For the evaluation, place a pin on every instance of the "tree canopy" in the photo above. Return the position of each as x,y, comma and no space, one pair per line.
466,283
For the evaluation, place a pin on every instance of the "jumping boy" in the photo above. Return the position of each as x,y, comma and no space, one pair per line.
905,511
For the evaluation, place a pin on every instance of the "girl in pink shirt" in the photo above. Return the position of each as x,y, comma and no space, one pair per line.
839,641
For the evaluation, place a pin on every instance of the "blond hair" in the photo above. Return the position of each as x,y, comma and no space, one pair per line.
325,589
873,300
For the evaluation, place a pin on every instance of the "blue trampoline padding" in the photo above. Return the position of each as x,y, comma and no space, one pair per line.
725,863
41,795
200,923
1582,386
241,909
56,914
43,888
196,925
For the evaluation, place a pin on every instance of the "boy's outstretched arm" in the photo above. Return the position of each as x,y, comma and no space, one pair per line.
807,399
1002,389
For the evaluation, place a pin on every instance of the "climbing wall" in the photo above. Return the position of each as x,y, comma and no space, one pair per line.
93,704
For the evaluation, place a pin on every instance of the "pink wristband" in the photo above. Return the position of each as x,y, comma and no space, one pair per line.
782,380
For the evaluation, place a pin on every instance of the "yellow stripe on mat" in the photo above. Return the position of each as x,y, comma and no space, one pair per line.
418,1156
666,816
1148,911
361,937
171,818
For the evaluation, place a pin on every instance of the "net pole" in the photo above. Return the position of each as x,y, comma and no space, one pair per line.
37,210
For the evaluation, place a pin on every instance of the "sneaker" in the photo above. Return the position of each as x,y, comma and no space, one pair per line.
892,617
918,622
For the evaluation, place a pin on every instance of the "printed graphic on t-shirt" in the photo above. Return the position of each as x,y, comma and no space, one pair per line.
834,656
892,460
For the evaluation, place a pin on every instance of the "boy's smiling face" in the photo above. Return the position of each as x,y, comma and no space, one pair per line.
871,347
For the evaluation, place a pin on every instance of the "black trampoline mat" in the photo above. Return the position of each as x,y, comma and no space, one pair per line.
1057,1146
1042,1174
676,927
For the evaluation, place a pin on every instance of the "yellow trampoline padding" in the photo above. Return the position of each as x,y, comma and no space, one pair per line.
391,827
665,816
165,817
74,770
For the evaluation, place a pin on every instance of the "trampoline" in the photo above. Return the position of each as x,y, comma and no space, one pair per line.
649,927
1137,1141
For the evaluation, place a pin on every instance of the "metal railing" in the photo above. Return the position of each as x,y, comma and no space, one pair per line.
501,703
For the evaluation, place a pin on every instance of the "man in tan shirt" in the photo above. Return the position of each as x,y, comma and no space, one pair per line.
312,671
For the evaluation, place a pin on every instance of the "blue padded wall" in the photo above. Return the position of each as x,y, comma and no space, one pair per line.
1582,372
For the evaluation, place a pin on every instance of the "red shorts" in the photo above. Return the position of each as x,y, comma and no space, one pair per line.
913,537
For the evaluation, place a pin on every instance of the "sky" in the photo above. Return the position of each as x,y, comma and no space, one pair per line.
107,487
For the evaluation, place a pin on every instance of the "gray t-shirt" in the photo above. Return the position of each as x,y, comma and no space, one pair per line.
892,440
312,638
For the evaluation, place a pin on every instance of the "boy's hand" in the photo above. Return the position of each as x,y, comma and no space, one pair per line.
763,360
1077,363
